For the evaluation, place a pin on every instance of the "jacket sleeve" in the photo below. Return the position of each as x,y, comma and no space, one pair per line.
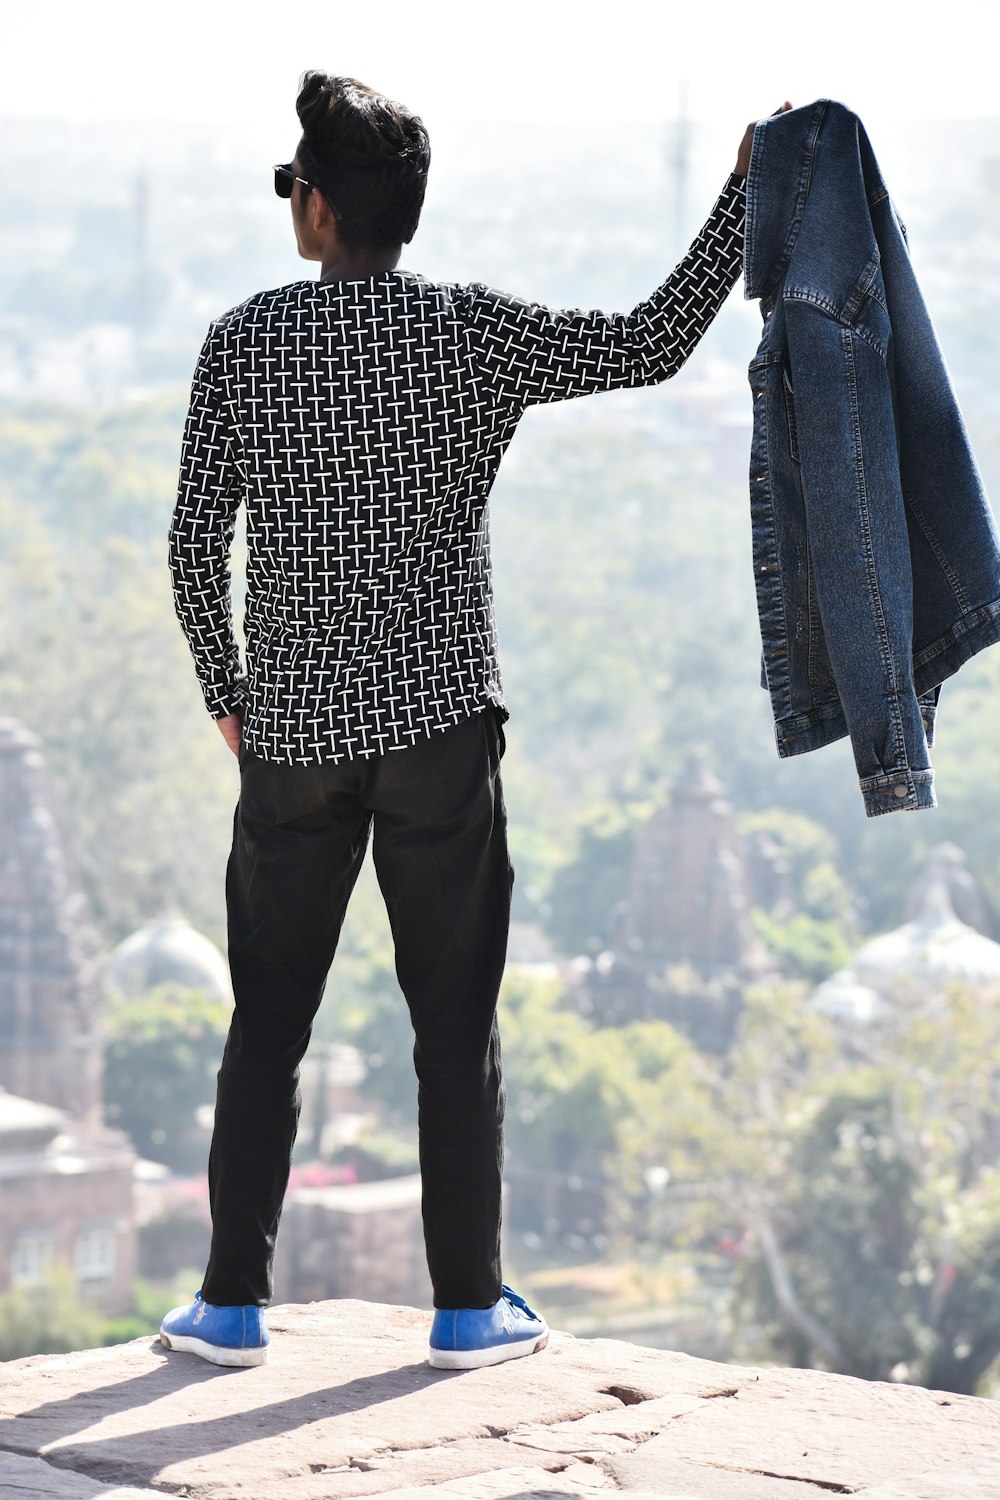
840,406
528,353
200,536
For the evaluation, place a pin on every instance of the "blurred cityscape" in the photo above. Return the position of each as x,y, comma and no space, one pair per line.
752,1040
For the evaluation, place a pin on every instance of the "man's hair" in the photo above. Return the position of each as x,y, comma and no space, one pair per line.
367,153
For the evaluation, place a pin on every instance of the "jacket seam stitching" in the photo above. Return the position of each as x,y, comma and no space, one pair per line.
935,546
774,568
874,591
863,288
813,616
814,299
872,342
985,615
801,198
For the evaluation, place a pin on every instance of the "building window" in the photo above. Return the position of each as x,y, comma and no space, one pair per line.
32,1253
95,1253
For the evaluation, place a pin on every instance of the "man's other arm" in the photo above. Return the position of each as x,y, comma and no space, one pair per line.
528,353
201,534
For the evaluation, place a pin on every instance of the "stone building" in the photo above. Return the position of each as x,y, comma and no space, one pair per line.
66,1180
683,948
66,1199
908,968
50,1047
361,1240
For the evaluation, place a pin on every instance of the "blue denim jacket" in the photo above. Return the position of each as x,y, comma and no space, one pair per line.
876,555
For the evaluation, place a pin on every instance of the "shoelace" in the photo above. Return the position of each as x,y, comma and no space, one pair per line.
509,1295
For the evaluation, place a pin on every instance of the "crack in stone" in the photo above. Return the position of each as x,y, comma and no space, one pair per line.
353,1465
819,1484
380,1458
109,1471
519,1428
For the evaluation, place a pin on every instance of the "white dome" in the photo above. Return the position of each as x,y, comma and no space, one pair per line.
843,998
933,948
168,951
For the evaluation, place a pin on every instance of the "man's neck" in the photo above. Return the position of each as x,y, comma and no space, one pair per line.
354,262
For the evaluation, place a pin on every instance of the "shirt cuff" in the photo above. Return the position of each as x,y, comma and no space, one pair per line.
221,705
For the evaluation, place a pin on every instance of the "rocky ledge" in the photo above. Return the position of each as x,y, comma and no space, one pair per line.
348,1406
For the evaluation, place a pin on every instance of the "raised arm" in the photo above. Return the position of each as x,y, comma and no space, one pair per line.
200,537
528,353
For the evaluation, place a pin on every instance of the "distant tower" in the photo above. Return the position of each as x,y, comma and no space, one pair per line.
684,948
688,898
50,1049
140,259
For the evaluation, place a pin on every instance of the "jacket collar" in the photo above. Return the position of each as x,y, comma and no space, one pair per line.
779,178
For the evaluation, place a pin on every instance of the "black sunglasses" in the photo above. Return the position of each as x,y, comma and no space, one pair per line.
284,182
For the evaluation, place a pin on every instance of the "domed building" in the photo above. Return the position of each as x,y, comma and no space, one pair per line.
160,1073
168,952
912,966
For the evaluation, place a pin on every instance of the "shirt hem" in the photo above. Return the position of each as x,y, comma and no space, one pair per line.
402,740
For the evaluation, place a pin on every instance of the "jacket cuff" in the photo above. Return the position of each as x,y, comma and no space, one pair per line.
898,791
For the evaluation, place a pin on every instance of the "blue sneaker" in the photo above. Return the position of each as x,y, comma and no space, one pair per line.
466,1338
224,1335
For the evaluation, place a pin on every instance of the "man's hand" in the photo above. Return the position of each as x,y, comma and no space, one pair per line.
743,159
231,729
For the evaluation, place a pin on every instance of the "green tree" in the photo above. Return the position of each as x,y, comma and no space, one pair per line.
576,1095
834,1263
817,929
584,892
48,1318
91,659
160,1063
964,1305
860,1183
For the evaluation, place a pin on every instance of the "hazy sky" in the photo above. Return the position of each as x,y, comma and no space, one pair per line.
522,60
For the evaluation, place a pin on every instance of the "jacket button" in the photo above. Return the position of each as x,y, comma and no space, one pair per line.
900,791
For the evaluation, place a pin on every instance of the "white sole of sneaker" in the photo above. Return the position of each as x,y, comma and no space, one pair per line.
477,1359
240,1358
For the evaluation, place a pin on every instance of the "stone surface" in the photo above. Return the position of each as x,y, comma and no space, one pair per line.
38,1480
349,1407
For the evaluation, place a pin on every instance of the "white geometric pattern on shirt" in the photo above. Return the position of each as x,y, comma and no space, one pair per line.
362,424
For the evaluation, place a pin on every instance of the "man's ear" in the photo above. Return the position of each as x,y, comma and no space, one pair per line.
321,215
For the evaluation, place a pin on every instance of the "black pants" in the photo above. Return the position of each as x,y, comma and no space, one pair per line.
439,829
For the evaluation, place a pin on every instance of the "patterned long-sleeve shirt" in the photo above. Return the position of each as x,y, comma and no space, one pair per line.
362,423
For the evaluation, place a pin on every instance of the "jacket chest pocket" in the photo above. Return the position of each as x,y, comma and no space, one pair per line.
789,398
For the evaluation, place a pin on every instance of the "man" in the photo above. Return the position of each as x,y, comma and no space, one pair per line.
361,419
